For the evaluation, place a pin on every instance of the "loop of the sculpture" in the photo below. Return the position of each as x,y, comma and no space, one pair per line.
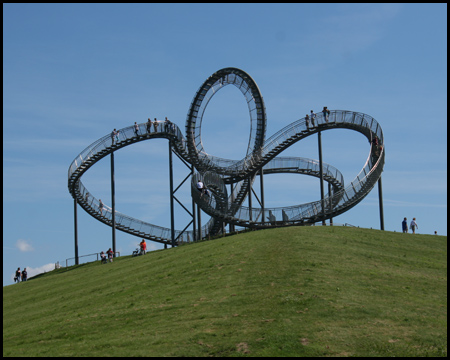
255,102
216,172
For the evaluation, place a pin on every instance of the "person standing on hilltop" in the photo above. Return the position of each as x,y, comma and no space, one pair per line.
18,275
24,274
103,257
143,246
413,225
110,255
404,226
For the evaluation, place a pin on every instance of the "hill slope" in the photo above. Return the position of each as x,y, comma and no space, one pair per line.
299,291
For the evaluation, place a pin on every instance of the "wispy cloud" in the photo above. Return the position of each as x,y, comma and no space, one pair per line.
398,203
354,28
46,144
24,245
44,268
418,182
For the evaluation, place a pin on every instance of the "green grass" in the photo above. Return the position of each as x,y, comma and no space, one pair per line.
299,291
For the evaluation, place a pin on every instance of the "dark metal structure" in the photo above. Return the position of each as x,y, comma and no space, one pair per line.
226,207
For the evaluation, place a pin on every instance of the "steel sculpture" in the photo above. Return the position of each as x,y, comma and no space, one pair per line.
216,173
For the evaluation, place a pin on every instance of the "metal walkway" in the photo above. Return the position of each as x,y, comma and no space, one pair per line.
216,173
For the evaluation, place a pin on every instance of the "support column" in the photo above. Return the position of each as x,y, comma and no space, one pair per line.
194,224
331,202
199,220
113,206
192,214
172,217
380,198
75,230
250,217
261,182
322,195
232,226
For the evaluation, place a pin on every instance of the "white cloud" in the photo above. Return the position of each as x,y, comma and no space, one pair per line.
24,245
151,246
44,268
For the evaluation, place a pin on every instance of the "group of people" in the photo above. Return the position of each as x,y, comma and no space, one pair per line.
110,255
312,117
413,225
202,188
168,127
20,275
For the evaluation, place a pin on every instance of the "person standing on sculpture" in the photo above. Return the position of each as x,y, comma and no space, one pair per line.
313,118
100,206
200,187
155,125
326,113
166,125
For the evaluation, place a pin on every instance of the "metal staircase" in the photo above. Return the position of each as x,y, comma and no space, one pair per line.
229,209
217,173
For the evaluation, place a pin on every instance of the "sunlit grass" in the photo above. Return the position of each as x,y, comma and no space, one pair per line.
299,291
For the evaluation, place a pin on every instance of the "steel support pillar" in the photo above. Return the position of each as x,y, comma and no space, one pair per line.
194,224
331,202
380,198
250,217
172,215
199,221
75,230
173,197
322,195
232,227
113,206
261,182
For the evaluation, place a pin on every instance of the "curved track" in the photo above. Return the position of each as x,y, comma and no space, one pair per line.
216,172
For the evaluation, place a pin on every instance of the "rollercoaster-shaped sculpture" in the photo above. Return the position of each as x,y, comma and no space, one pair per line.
216,173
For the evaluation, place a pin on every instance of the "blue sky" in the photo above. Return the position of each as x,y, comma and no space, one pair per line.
73,72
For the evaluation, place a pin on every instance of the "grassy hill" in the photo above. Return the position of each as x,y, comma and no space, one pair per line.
299,291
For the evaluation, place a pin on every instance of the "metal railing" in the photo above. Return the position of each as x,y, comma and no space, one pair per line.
340,201
222,171
69,261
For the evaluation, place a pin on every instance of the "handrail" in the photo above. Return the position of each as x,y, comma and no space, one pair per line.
81,256
341,200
